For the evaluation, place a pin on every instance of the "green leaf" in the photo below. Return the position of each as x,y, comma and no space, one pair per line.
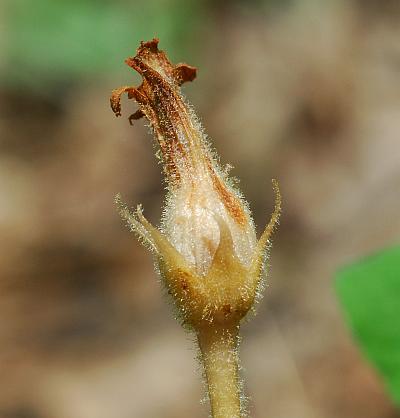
369,292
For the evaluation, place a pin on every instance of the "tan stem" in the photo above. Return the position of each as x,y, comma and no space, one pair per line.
219,352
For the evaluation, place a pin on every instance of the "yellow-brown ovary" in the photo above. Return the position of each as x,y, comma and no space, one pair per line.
211,298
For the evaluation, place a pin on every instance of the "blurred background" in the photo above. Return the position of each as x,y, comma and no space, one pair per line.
304,91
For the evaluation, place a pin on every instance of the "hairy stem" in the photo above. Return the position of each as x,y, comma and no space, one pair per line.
219,354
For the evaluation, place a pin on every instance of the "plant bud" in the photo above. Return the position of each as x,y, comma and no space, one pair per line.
206,248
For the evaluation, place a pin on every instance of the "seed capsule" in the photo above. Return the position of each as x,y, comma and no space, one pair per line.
206,249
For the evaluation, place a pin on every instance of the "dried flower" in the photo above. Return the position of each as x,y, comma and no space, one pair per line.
206,249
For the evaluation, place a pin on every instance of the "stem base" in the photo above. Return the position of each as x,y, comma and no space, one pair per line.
219,354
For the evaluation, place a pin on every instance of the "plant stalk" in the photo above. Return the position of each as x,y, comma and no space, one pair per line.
219,354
